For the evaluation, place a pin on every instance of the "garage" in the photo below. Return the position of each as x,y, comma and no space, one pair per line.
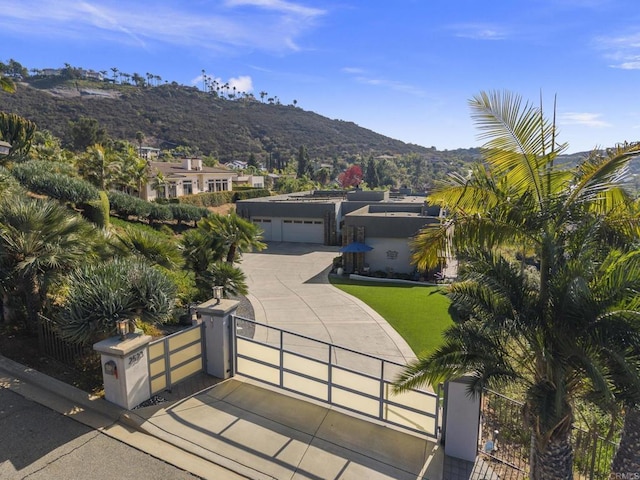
266,225
303,230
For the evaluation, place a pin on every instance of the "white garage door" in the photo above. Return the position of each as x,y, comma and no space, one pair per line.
303,230
266,225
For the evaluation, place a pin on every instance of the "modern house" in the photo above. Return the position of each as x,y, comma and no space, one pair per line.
171,180
379,219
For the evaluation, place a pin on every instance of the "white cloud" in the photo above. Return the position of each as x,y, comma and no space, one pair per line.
242,83
362,76
478,31
622,50
268,25
278,5
583,118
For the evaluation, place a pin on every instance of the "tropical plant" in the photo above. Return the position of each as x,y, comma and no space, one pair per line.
564,219
18,132
236,234
230,277
100,294
154,248
40,240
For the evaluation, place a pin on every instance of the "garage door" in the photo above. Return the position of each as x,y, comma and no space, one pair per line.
265,224
303,230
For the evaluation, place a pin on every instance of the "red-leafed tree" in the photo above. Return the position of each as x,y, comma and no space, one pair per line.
351,177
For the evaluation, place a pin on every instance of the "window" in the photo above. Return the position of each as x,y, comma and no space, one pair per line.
218,185
173,191
187,187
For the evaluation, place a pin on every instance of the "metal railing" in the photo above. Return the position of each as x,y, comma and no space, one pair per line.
54,346
336,375
504,444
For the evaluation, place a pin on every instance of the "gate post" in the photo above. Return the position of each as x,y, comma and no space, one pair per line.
461,421
216,315
125,369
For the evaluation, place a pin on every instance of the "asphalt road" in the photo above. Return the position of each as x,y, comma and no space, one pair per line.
37,443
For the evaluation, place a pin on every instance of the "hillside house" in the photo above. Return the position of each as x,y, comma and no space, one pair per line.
171,180
384,221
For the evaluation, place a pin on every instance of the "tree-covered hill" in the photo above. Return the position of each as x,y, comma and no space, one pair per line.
170,115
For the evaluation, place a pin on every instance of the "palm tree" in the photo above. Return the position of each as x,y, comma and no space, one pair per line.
39,241
230,277
522,200
237,235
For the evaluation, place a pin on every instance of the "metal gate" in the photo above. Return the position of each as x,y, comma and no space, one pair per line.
335,375
176,357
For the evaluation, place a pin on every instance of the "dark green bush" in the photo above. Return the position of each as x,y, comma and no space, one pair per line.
125,205
250,193
187,213
53,179
208,199
97,211
160,213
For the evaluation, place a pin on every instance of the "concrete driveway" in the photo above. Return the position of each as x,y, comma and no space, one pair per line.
289,289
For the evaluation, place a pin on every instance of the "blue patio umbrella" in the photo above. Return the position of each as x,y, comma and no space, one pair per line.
356,247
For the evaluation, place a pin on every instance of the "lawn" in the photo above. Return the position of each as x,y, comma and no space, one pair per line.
419,314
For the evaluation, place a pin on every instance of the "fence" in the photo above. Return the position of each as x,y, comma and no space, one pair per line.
175,358
56,347
336,375
504,444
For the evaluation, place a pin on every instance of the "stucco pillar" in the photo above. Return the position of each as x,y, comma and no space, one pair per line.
217,320
462,420
125,369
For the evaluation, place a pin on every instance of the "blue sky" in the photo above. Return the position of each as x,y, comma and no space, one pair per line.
402,68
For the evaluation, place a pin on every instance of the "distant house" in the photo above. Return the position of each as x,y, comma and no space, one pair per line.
172,180
148,152
255,181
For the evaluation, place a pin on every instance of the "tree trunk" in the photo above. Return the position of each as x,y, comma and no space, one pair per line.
627,458
555,460
231,254
7,316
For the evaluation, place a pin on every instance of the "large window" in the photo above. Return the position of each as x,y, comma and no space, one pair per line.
173,191
187,187
218,185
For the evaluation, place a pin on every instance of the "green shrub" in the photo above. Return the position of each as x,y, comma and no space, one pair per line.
125,205
208,199
160,213
250,193
187,213
97,211
53,179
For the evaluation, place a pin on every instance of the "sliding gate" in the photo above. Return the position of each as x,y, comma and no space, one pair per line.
335,375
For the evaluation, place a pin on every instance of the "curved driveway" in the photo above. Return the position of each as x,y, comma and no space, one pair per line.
289,289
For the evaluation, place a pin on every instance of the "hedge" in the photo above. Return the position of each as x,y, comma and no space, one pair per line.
252,193
51,179
208,199
187,213
125,205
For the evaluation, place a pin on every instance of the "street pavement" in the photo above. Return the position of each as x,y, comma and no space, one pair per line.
39,443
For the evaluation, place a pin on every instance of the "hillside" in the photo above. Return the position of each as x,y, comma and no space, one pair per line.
170,115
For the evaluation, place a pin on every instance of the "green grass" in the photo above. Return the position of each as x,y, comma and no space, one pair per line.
419,314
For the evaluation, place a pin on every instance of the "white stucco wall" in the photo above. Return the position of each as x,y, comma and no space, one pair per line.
389,253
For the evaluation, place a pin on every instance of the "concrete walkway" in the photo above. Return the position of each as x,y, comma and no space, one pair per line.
289,289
